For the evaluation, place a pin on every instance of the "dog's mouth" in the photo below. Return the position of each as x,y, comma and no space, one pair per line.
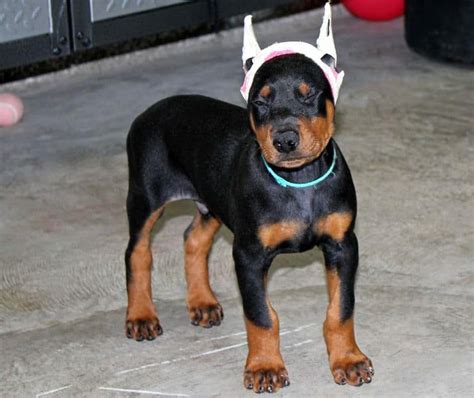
293,163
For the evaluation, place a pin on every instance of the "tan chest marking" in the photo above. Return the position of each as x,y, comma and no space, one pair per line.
271,235
334,225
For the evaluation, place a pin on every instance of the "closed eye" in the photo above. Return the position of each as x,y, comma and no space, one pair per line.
259,103
311,97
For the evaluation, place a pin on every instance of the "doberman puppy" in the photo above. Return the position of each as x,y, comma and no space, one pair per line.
233,162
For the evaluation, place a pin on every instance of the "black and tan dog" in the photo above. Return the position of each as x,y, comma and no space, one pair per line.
276,178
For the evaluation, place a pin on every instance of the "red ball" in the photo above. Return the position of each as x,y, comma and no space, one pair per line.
375,10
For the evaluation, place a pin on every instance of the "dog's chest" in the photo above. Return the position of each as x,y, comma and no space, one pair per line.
293,223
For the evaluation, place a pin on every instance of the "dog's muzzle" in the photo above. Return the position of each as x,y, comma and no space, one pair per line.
286,141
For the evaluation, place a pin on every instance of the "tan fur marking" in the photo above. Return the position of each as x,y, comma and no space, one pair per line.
264,344
340,337
271,235
140,304
264,138
316,132
196,248
334,225
304,88
264,355
265,91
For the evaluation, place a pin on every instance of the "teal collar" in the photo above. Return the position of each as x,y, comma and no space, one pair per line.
285,183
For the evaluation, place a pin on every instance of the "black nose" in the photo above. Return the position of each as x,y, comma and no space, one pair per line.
286,141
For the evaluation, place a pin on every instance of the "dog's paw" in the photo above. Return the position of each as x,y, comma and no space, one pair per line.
354,370
143,329
266,379
206,316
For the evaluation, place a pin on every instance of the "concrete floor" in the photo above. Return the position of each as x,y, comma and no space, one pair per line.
405,126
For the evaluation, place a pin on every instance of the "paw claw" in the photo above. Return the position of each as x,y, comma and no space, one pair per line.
143,329
354,372
266,380
206,316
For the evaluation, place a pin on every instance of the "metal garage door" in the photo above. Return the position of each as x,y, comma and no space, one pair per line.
36,30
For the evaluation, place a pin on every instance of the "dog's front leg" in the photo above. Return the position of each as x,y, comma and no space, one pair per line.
264,369
347,362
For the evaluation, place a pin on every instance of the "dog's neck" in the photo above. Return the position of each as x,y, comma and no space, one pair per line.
310,174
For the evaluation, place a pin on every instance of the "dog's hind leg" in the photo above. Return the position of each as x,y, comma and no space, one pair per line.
142,319
154,181
204,309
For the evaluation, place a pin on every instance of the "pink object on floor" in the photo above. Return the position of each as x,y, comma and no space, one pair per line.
11,109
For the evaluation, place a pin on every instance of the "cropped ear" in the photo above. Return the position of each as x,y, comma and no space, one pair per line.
250,47
325,42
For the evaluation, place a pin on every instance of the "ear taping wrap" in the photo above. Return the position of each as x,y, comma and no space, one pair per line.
325,42
325,46
250,49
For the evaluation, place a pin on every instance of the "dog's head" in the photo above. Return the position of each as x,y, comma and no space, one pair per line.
291,89
291,110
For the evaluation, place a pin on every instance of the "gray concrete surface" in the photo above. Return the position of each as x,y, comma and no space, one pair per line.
405,126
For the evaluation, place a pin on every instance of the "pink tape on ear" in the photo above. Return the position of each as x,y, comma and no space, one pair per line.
334,79
270,56
275,54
